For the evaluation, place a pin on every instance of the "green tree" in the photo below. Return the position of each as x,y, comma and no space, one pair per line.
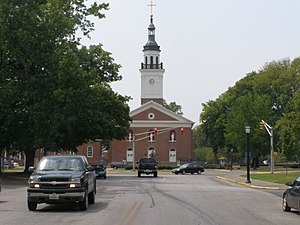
289,126
269,94
173,107
55,93
205,154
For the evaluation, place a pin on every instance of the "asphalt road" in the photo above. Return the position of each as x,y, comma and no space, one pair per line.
124,199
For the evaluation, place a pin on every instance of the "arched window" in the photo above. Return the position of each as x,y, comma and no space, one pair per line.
151,62
130,136
146,61
89,151
151,136
172,136
156,62
151,152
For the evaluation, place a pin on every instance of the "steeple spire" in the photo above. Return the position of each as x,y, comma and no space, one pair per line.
151,5
151,44
151,68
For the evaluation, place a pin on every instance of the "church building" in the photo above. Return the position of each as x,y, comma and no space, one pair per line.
155,131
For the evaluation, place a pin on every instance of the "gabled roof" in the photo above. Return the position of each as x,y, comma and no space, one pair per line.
163,117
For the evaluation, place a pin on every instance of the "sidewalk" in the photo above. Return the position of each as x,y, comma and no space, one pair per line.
234,176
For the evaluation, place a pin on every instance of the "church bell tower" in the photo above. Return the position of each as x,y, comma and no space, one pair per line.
151,69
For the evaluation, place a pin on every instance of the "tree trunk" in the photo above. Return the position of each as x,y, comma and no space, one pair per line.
255,162
29,159
0,161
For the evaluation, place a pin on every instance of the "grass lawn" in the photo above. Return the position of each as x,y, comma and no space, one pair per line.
281,178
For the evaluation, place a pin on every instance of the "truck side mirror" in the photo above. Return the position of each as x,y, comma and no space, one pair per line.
31,169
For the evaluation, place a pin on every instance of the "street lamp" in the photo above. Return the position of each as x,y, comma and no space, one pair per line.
247,130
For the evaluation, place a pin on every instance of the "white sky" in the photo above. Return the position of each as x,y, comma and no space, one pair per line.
206,46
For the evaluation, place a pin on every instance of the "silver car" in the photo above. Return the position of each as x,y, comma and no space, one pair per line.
291,197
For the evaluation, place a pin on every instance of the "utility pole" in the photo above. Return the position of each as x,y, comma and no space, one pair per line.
269,129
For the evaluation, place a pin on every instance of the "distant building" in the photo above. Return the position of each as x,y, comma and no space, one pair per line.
155,131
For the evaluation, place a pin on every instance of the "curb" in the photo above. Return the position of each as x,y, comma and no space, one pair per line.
250,185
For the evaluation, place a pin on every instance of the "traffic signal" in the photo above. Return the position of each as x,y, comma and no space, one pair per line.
155,130
181,130
261,125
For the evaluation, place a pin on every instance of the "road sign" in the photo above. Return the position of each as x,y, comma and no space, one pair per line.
250,153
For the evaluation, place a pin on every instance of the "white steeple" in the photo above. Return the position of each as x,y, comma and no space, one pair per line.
151,69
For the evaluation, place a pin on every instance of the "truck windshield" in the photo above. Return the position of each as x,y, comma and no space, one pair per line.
63,164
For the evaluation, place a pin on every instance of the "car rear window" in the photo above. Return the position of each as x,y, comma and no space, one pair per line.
148,160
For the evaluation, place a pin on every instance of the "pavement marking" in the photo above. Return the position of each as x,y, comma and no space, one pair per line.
130,216
250,185
135,213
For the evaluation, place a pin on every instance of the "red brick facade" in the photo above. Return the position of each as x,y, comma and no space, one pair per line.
170,144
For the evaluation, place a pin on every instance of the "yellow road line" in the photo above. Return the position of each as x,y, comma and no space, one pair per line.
130,216
136,213
126,216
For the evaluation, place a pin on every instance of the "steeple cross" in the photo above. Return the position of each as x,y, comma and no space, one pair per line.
151,5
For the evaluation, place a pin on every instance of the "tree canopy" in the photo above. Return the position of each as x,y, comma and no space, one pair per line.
173,107
271,94
54,92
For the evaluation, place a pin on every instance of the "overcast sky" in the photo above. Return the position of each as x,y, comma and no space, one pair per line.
206,46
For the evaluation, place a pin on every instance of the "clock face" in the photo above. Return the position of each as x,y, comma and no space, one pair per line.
151,81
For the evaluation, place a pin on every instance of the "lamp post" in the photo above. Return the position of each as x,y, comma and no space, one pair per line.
247,130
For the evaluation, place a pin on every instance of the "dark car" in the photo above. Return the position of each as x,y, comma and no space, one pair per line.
100,171
147,166
291,197
62,179
189,168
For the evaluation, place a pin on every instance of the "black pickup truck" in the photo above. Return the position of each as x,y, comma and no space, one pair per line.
62,179
147,166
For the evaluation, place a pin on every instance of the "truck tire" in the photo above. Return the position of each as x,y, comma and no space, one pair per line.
31,205
92,196
85,202
139,174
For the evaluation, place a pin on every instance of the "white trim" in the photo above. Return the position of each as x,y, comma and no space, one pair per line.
162,123
151,116
160,108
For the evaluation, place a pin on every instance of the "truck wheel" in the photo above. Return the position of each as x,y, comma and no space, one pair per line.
139,174
92,196
31,205
85,202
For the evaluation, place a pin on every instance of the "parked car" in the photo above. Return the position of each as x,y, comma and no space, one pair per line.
62,179
189,168
100,171
291,197
117,165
